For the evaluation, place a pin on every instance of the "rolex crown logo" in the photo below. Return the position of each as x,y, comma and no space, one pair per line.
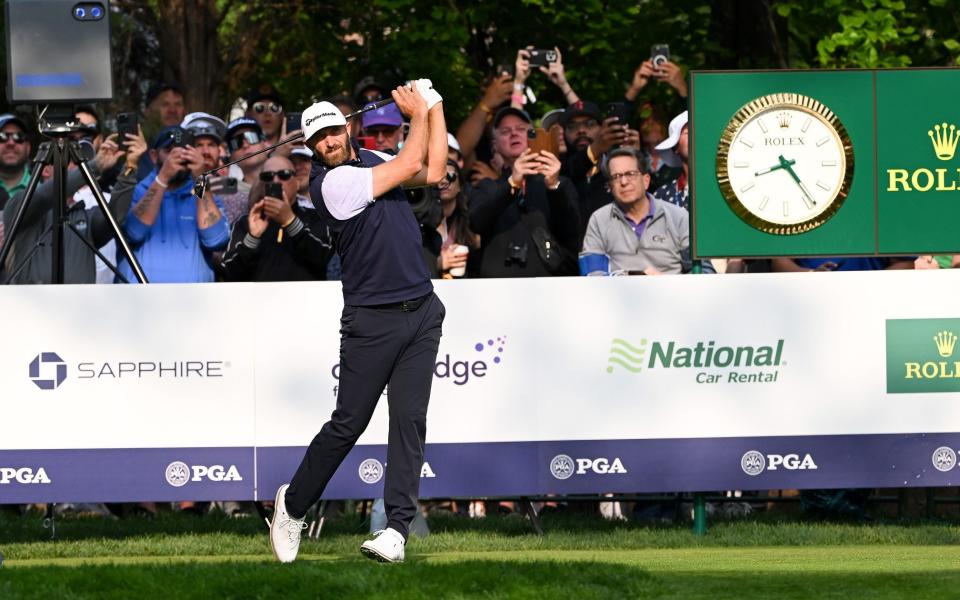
783,119
944,140
945,341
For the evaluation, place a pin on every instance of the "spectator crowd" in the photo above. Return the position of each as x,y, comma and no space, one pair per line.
578,190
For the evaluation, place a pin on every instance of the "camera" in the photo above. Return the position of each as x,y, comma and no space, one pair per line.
516,254
659,54
181,138
540,57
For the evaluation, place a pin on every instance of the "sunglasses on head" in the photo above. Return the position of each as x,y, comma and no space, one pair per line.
237,141
17,136
261,107
283,174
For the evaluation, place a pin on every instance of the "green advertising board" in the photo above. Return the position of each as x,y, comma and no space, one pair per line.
922,356
825,163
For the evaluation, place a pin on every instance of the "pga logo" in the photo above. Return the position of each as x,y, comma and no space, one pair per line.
178,473
753,462
564,467
23,475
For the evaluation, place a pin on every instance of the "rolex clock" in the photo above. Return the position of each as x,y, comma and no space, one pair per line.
785,163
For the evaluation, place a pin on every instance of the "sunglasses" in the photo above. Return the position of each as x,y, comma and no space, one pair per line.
284,175
262,107
17,137
451,176
237,141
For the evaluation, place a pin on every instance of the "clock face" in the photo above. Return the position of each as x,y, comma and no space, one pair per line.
785,163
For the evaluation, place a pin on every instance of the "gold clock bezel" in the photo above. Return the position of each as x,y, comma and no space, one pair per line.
773,101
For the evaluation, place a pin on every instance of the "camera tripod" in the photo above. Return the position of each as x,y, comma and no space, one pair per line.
59,124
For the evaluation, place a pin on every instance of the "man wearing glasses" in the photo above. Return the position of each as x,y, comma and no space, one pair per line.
244,138
385,126
279,240
14,153
266,108
640,235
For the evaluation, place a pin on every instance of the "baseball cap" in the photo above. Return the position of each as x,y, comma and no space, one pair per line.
204,124
301,151
321,115
385,115
551,118
158,88
263,92
452,142
509,110
10,118
673,135
668,146
581,108
166,136
368,82
242,123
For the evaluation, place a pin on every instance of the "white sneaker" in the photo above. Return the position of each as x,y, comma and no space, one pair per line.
386,546
284,529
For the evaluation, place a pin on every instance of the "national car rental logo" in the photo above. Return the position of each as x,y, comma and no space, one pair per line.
48,370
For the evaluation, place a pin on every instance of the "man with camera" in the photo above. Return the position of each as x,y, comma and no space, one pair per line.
244,138
279,240
30,258
171,232
527,219
391,323
640,235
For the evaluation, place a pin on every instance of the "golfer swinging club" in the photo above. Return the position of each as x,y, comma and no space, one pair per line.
390,328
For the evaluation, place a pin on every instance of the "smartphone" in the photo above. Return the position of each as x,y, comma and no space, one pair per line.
223,185
293,122
659,54
126,123
540,57
273,189
541,139
365,141
619,111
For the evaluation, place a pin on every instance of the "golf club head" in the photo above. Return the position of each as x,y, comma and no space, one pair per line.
200,187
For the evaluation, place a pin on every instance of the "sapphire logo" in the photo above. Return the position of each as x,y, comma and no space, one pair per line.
944,459
562,466
53,367
178,473
371,471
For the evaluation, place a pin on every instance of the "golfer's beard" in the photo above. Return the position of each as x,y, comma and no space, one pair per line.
336,157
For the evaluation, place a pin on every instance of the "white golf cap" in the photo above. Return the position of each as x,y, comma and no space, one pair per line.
319,116
452,142
676,125
301,151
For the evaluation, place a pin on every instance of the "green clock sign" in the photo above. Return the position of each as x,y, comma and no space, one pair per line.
825,163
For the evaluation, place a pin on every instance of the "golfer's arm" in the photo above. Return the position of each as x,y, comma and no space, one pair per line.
409,160
436,151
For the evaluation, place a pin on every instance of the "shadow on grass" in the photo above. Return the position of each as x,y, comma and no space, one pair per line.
466,579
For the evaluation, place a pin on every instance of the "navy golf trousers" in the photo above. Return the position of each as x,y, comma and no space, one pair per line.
395,345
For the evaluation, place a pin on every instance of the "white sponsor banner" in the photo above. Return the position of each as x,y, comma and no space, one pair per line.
520,360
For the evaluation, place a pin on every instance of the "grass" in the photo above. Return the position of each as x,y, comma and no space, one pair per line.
180,556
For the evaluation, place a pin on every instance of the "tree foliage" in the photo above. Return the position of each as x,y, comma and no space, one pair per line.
308,49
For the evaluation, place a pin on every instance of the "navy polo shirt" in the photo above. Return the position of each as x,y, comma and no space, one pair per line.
378,239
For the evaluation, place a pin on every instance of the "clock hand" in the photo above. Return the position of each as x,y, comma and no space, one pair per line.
773,168
807,197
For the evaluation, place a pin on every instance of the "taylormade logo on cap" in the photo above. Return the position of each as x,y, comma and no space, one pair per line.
319,116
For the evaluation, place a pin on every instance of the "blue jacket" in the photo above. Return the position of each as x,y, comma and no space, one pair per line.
173,249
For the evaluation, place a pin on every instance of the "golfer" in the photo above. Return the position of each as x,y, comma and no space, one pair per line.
391,323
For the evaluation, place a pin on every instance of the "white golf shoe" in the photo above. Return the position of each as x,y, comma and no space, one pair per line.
284,529
386,546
